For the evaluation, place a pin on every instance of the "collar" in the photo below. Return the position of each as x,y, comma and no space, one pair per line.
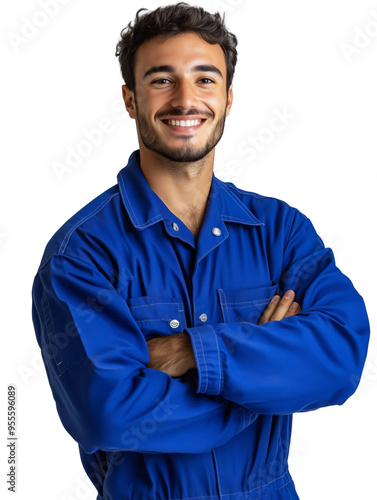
145,208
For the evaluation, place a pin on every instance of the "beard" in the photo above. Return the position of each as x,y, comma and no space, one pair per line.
183,154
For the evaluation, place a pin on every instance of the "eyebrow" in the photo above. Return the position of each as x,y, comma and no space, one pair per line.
207,68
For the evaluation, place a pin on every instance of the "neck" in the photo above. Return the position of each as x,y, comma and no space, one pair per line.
183,187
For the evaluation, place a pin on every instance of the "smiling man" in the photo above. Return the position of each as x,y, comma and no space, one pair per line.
182,321
177,129
184,100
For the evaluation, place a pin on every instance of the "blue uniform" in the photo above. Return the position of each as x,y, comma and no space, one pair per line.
125,269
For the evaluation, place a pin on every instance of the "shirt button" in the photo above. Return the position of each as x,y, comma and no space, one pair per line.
174,323
216,231
203,318
175,226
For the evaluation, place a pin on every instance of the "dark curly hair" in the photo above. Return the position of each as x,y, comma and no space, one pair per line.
169,21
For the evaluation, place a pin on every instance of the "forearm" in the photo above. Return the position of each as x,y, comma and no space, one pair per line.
106,396
173,355
300,363
145,411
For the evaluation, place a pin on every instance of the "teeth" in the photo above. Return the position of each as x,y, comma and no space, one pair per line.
184,123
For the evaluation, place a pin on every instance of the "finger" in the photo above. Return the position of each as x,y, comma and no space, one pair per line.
270,309
294,309
283,306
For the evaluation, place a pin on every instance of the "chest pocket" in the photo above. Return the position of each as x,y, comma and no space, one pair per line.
246,304
158,316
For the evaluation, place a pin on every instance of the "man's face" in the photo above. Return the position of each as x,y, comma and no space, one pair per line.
180,100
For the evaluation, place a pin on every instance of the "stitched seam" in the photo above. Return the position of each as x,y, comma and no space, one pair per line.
264,486
251,194
217,244
236,305
226,308
221,293
60,365
204,359
129,202
50,327
194,498
209,251
71,231
217,473
182,316
237,201
153,319
277,489
230,218
239,492
250,301
148,223
67,369
218,358
156,304
197,357
224,305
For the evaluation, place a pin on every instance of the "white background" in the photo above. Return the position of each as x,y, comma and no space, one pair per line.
61,78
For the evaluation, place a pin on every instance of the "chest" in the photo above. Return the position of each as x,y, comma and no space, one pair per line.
169,285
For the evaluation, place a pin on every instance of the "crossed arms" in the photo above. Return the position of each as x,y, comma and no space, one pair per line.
174,354
100,366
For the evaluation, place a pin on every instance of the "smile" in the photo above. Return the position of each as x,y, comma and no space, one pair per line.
184,123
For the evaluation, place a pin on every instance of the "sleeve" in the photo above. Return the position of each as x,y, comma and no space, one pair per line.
300,363
96,360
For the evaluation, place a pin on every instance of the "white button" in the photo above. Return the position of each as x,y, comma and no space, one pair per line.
175,226
174,323
203,318
216,231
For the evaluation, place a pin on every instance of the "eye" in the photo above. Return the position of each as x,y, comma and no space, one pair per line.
206,80
160,81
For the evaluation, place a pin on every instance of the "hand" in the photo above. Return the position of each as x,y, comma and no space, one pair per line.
172,355
280,308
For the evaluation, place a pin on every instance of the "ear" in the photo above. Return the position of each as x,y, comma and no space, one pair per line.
129,101
229,100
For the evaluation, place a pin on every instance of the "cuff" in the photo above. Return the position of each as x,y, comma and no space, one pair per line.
208,359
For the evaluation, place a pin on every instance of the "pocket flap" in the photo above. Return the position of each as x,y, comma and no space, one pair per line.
246,304
157,316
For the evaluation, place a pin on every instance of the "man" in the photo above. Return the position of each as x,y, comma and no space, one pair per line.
183,321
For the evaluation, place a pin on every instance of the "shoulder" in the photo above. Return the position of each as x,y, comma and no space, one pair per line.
280,222
265,208
90,224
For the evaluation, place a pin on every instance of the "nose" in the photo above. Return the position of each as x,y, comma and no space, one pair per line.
184,96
